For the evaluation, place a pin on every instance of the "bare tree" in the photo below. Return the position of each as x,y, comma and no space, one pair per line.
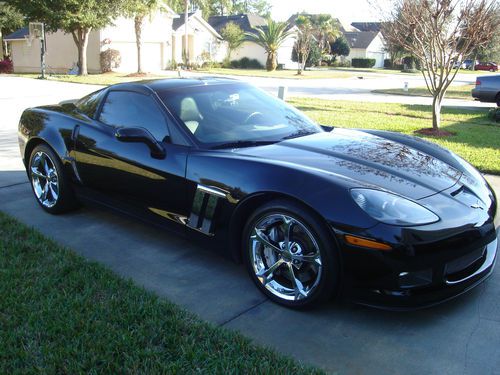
303,42
440,33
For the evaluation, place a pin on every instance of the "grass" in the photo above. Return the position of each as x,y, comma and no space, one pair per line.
454,92
476,139
62,314
290,74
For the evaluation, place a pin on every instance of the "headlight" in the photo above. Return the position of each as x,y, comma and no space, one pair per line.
392,209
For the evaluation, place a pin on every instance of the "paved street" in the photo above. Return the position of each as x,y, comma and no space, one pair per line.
459,337
359,88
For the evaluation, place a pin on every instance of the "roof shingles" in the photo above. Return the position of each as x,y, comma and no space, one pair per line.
18,34
360,39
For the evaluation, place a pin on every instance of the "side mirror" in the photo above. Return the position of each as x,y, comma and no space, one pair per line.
141,135
326,128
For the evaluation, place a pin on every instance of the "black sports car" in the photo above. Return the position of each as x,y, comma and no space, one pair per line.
389,219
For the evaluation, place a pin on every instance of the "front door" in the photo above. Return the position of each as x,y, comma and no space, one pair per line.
125,174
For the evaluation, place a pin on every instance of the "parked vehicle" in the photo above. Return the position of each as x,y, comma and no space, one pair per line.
487,89
490,66
389,219
468,64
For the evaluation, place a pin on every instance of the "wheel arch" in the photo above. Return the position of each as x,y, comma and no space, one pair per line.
30,146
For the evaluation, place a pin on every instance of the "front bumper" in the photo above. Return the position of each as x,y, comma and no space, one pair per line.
427,266
440,287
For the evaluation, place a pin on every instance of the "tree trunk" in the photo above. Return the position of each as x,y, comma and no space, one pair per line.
436,110
186,35
81,39
271,63
138,20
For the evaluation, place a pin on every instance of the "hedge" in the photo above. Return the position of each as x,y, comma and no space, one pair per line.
246,63
363,63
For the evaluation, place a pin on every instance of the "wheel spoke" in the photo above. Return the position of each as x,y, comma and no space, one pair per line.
313,258
37,173
45,191
298,287
261,237
265,274
46,165
287,228
53,190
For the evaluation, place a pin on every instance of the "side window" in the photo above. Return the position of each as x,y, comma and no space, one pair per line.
130,109
88,104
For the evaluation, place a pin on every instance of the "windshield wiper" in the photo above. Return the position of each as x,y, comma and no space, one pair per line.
241,144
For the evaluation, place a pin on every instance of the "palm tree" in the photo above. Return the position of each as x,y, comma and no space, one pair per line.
139,10
271,37
326,29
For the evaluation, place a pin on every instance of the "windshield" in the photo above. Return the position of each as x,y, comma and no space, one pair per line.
236,115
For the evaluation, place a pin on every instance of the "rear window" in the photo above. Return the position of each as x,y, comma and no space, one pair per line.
88,104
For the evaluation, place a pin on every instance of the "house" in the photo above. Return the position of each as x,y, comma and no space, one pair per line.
366,44
162,37
367,26
248,23
61,55
204,42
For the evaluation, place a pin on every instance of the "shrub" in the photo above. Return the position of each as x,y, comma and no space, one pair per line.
246,63
172,65
411,63
6,66
341,64
110,59
255,64
363,63
388,64
340,47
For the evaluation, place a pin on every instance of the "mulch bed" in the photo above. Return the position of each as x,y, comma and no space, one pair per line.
435,132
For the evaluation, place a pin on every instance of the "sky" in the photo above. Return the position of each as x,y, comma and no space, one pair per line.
346,10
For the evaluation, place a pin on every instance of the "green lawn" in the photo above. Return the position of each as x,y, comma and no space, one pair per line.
290,74
477,137
62,314
454,92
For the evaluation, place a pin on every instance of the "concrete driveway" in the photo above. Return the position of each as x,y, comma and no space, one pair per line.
459,337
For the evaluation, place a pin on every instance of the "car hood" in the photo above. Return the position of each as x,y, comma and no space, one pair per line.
365,160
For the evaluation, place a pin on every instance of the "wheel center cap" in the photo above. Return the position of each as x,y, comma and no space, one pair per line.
287,256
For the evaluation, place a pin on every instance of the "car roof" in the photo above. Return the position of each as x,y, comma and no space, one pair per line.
174,83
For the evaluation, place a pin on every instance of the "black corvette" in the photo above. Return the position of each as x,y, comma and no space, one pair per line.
388,219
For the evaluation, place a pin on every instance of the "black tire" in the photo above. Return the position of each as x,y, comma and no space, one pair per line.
65,200
329,278
498,99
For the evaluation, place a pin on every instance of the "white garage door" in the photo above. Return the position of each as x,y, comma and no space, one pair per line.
379,58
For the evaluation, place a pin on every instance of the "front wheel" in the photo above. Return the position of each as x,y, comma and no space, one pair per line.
290,255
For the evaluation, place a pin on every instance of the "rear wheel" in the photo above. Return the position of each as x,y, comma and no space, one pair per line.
50,186
290,255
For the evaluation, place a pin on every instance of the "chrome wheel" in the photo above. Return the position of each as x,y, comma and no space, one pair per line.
44,179
285,257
